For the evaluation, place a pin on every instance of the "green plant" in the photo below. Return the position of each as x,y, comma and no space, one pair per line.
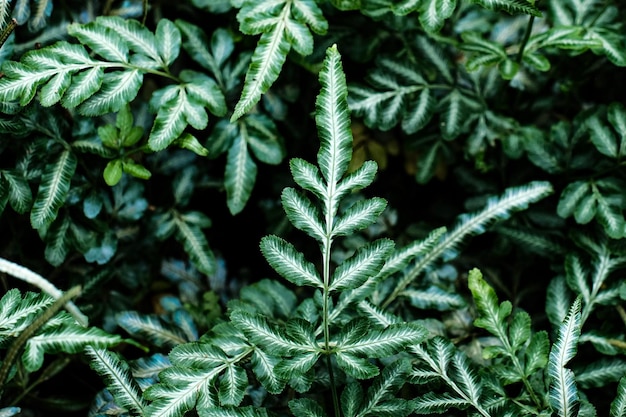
126,125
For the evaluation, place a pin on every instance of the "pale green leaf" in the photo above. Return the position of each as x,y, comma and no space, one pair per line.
232,385
138,38
359,179
435,298
265,66
58,241
618,406
20,195
240,175
305,407
600,373
168,40
433,13
118,89
365,263
564,396
537,353
264,366
55,185
355,366
360,215
196,245
151,328
266,334
333,120
117,376
511,6
67,338
307,176
602,137
289,263
170,121
379,343
84,85
104,41
302,213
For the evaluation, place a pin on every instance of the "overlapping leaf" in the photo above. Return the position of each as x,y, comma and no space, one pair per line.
283,25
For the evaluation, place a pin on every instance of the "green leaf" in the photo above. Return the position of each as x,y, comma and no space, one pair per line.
599,373
138,38
233,385
433,13
104,41
302,213
240,175
19,193
333,120
618,406
168,40
118,89
305,407
264,333
151,328
537,353
55,185
360,215
264,366
564,396
434,297
265,66
380,343
289,263
602,137
492,316
356,367
262,136
58,241
398,93
118,379
195,244
365,263
67,338
511,6
113,172
380,398
558,300
307,176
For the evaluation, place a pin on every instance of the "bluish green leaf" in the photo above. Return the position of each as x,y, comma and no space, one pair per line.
264,366
118,89
151,328
511,6
307,176
102,40
263,138
356,367
379,343
19,193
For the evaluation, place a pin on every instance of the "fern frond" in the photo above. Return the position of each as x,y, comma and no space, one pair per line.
380,343
240,175
5,11
283,24
380,398
365,263
497,208
433,13
118,379
564,396
189,233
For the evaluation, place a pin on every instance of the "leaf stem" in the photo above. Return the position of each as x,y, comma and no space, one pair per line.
325,320
529,29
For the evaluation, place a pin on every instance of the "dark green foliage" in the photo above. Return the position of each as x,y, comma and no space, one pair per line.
313,208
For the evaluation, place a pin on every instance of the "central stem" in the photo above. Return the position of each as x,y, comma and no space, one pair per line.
326,323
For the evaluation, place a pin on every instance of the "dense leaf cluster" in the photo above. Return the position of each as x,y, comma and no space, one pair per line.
389,171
